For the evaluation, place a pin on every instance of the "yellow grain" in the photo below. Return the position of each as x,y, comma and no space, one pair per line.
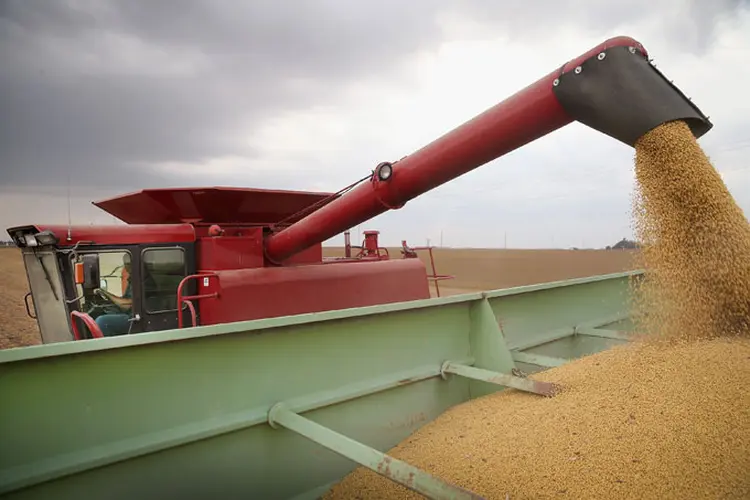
638,421
646,420
696,241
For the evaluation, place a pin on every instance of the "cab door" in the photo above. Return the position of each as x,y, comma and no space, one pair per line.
162,268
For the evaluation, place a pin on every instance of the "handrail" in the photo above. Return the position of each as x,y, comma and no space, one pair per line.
188,299
411,253
26,303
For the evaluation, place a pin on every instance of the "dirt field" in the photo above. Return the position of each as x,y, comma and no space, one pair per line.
474,269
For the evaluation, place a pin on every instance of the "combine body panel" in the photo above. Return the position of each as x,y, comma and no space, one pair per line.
282,291
202,256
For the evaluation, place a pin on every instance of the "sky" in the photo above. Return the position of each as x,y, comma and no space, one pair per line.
105,97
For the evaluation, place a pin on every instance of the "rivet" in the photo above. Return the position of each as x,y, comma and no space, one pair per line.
601,56
578,69
556,82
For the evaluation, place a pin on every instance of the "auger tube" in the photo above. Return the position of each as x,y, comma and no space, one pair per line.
612,88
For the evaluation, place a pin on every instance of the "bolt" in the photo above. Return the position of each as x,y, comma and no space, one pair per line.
578,69
601,56
556,82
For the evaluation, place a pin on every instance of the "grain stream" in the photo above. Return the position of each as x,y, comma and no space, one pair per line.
651,419
696,242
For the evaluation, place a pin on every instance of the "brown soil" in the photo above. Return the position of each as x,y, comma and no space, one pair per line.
474,269
489,269
16,328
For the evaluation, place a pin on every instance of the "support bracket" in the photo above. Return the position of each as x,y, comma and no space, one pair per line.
389,467
546,389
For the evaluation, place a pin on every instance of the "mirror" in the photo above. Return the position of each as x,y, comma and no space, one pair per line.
91,278
103,284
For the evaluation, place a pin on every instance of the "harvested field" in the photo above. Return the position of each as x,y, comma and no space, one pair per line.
16,328
475,269
478,269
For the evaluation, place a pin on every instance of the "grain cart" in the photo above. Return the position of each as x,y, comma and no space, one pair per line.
209,256
296,369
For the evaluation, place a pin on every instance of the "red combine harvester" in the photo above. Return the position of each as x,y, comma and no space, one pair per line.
205,256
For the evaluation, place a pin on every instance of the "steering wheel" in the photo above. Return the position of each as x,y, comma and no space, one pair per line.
109,303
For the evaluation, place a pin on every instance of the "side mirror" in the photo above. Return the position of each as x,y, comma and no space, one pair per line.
91,278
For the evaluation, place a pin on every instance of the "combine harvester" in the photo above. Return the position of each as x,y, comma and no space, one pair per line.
282,370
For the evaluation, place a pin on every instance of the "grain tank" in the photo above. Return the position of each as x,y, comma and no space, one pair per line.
206,256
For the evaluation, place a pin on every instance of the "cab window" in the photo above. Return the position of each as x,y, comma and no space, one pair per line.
163,269
114,277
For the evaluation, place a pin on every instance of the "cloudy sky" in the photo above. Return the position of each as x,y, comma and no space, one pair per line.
311,94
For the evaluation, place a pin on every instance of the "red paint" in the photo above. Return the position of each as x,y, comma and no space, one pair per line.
371,248
193,315
117,234
522,118
88,321
411,253
219,205
242,248
201,277
279,291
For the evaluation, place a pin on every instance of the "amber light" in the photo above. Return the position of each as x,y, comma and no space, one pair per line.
79,273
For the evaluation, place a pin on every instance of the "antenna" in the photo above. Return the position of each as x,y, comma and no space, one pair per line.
70,224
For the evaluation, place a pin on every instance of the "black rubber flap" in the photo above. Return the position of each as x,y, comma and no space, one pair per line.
622,95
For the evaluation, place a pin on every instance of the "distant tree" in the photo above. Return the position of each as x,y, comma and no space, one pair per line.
625,244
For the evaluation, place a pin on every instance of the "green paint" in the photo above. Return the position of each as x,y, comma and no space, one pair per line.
392,468
603,333
539,359
184,413
487,345
503,379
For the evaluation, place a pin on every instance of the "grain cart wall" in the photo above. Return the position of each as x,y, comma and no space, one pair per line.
185,413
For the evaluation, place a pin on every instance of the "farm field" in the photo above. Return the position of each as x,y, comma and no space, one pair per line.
474,270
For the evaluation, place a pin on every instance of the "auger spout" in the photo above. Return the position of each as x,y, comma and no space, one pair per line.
612,88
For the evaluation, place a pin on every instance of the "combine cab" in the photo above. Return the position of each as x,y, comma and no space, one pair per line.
201,249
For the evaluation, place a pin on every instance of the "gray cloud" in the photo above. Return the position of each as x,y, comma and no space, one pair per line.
101,90
688,25
90,92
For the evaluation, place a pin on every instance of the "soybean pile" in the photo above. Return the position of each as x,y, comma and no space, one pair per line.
665,416
647,420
